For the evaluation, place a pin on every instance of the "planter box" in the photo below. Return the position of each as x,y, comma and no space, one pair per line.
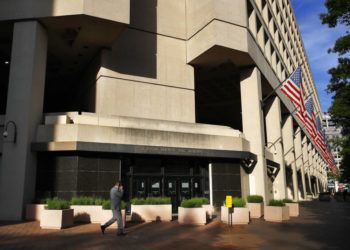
106,215
293,209
33,211
256,209
192,216
209,210
56,219
276,214
240,215
87,213
151,212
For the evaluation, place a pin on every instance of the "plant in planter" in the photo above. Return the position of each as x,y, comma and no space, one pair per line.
276,211
255,206
34,210
240,213
57,214
86,209
151,209
293,207
106,213
207,207
192,212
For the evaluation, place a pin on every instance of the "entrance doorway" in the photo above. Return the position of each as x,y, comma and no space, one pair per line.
177,178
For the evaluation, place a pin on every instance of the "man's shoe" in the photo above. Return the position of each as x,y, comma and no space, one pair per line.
121,234
103,229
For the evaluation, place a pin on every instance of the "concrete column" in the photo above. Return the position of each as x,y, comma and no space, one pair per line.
289,156
24,107
305,163
274,141
314,168
318,173
298,154
310,166
253,128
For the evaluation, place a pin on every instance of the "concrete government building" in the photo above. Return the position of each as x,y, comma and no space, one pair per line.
172,97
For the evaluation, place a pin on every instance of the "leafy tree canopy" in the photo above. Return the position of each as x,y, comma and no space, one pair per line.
338,12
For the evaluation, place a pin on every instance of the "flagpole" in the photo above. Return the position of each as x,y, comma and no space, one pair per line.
278,86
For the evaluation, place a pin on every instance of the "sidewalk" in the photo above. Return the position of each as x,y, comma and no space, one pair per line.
321,225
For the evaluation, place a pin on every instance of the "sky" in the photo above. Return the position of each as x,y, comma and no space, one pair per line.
317,40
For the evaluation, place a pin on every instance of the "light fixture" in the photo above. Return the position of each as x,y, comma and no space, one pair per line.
7,62
6,133
274,146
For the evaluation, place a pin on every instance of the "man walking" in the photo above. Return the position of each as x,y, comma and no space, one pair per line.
116,195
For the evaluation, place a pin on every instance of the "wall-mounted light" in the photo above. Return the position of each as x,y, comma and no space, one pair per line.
6,133
274,146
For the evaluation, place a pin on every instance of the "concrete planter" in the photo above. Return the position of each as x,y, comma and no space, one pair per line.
56,219
256,209
293,209
276,214
192,216
151,212
106,215
209,210
33,211
240,215
87,213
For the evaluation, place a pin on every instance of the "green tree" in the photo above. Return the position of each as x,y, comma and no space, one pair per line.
338,13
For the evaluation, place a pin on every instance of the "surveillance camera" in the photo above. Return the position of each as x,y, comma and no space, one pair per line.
5,134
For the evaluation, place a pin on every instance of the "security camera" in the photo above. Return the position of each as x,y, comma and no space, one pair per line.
5,134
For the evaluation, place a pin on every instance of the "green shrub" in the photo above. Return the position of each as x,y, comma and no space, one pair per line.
204,200
98,201
287,201
194,202
238,202
151,201
255,199
57,204
82,200
106,204
276,203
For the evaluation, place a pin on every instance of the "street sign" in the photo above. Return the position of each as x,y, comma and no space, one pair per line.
228,201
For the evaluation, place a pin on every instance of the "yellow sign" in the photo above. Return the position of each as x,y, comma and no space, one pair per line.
228,201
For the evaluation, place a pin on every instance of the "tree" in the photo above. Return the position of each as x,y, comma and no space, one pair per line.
338,12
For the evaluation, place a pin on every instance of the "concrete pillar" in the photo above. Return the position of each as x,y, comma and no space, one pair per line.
253,128
318,173
299,155
274,141
24,107
289,156
305,164
314,168
310,166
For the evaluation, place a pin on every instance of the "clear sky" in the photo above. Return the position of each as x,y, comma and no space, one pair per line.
317,39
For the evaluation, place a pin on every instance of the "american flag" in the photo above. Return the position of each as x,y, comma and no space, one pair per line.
320,135
309,117
293,89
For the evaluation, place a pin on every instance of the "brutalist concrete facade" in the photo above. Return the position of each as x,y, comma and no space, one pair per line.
166,95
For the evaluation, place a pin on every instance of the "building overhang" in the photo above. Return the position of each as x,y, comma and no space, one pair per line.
19,10
126,135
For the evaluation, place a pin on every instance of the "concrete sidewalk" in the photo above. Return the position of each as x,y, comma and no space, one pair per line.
321,225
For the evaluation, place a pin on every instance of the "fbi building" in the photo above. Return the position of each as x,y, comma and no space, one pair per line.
175,98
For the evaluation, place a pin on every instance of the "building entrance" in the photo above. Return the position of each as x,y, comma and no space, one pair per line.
178,179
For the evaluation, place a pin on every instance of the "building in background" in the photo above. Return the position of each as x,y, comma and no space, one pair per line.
176,98
332,133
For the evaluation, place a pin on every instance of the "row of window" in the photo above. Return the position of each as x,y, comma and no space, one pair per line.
284,37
